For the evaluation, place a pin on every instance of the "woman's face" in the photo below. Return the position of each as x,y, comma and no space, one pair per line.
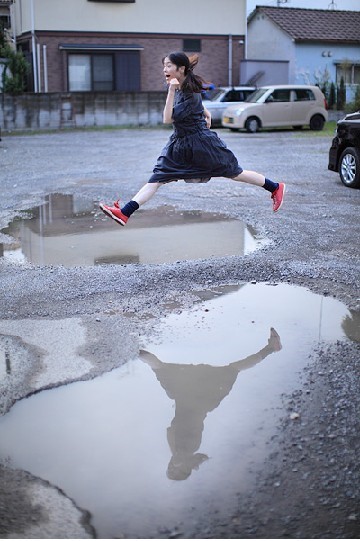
171,71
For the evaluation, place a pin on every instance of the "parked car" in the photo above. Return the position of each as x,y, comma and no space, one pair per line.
279,106
218,99
344,153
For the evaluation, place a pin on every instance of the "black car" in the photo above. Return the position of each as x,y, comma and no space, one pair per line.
344,154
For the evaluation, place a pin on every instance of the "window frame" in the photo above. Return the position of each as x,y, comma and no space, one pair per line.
188,45
91,56
342,70
112,58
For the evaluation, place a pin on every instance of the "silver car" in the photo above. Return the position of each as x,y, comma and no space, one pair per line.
218,99
279,106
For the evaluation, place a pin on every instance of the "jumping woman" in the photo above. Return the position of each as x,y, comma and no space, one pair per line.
193,153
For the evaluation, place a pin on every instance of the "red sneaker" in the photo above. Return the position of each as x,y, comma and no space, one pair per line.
114,213
278,197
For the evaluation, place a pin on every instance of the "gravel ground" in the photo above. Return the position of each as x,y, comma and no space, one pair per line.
309,485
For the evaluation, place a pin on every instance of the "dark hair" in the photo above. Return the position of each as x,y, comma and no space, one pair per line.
192,82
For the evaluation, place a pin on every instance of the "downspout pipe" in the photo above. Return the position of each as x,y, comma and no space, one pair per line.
230,60
33,47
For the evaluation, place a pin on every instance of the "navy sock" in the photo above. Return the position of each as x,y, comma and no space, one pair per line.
129,208
270,186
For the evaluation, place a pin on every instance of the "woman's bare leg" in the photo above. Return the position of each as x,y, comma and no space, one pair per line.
251,177
146,193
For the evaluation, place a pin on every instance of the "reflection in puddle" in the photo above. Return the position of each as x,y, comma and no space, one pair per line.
197,389
180,430
67,230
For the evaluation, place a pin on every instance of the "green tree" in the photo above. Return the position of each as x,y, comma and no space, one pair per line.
332,96
16,68
341,95
357,98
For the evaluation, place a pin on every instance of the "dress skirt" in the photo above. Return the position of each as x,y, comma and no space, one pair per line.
193,153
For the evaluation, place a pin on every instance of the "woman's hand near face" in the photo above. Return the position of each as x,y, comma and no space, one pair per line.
174,84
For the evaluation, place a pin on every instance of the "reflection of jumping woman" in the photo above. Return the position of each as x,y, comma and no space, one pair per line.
197,390
193,153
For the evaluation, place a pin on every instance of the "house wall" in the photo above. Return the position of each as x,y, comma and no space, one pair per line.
267,72
160,16
213,63
267,42
312,67
156,26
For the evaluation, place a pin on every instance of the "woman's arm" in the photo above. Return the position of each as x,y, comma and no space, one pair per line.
207,116
169,104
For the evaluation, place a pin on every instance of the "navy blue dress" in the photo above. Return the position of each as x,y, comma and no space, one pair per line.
193,153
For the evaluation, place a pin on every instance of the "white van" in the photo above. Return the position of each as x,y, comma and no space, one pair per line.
279,106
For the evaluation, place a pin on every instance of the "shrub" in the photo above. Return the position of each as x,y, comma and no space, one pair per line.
16,68
341,95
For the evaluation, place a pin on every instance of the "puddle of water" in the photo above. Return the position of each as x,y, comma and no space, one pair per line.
70,231
180,430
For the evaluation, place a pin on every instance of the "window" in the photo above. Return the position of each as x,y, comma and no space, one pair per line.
350,73
192,45
234,95
303,94
90,72
356,75
102,72
5,21
281,95
79,72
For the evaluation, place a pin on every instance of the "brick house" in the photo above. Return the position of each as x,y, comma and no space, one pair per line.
107,45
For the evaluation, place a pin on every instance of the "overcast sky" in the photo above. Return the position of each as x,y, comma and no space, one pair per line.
352,5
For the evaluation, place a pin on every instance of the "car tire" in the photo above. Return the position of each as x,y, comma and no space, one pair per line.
349,167
317,122
252,124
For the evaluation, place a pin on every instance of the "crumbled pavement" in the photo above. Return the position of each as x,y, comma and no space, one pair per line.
309,485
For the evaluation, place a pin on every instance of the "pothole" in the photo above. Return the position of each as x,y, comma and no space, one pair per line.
180,430
71,231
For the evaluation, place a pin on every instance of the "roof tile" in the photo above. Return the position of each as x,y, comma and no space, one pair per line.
314,24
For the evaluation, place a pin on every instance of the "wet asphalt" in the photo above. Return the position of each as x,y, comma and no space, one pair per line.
308,486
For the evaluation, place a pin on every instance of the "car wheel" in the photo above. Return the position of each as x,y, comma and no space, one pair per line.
349,168
252,125
317,122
